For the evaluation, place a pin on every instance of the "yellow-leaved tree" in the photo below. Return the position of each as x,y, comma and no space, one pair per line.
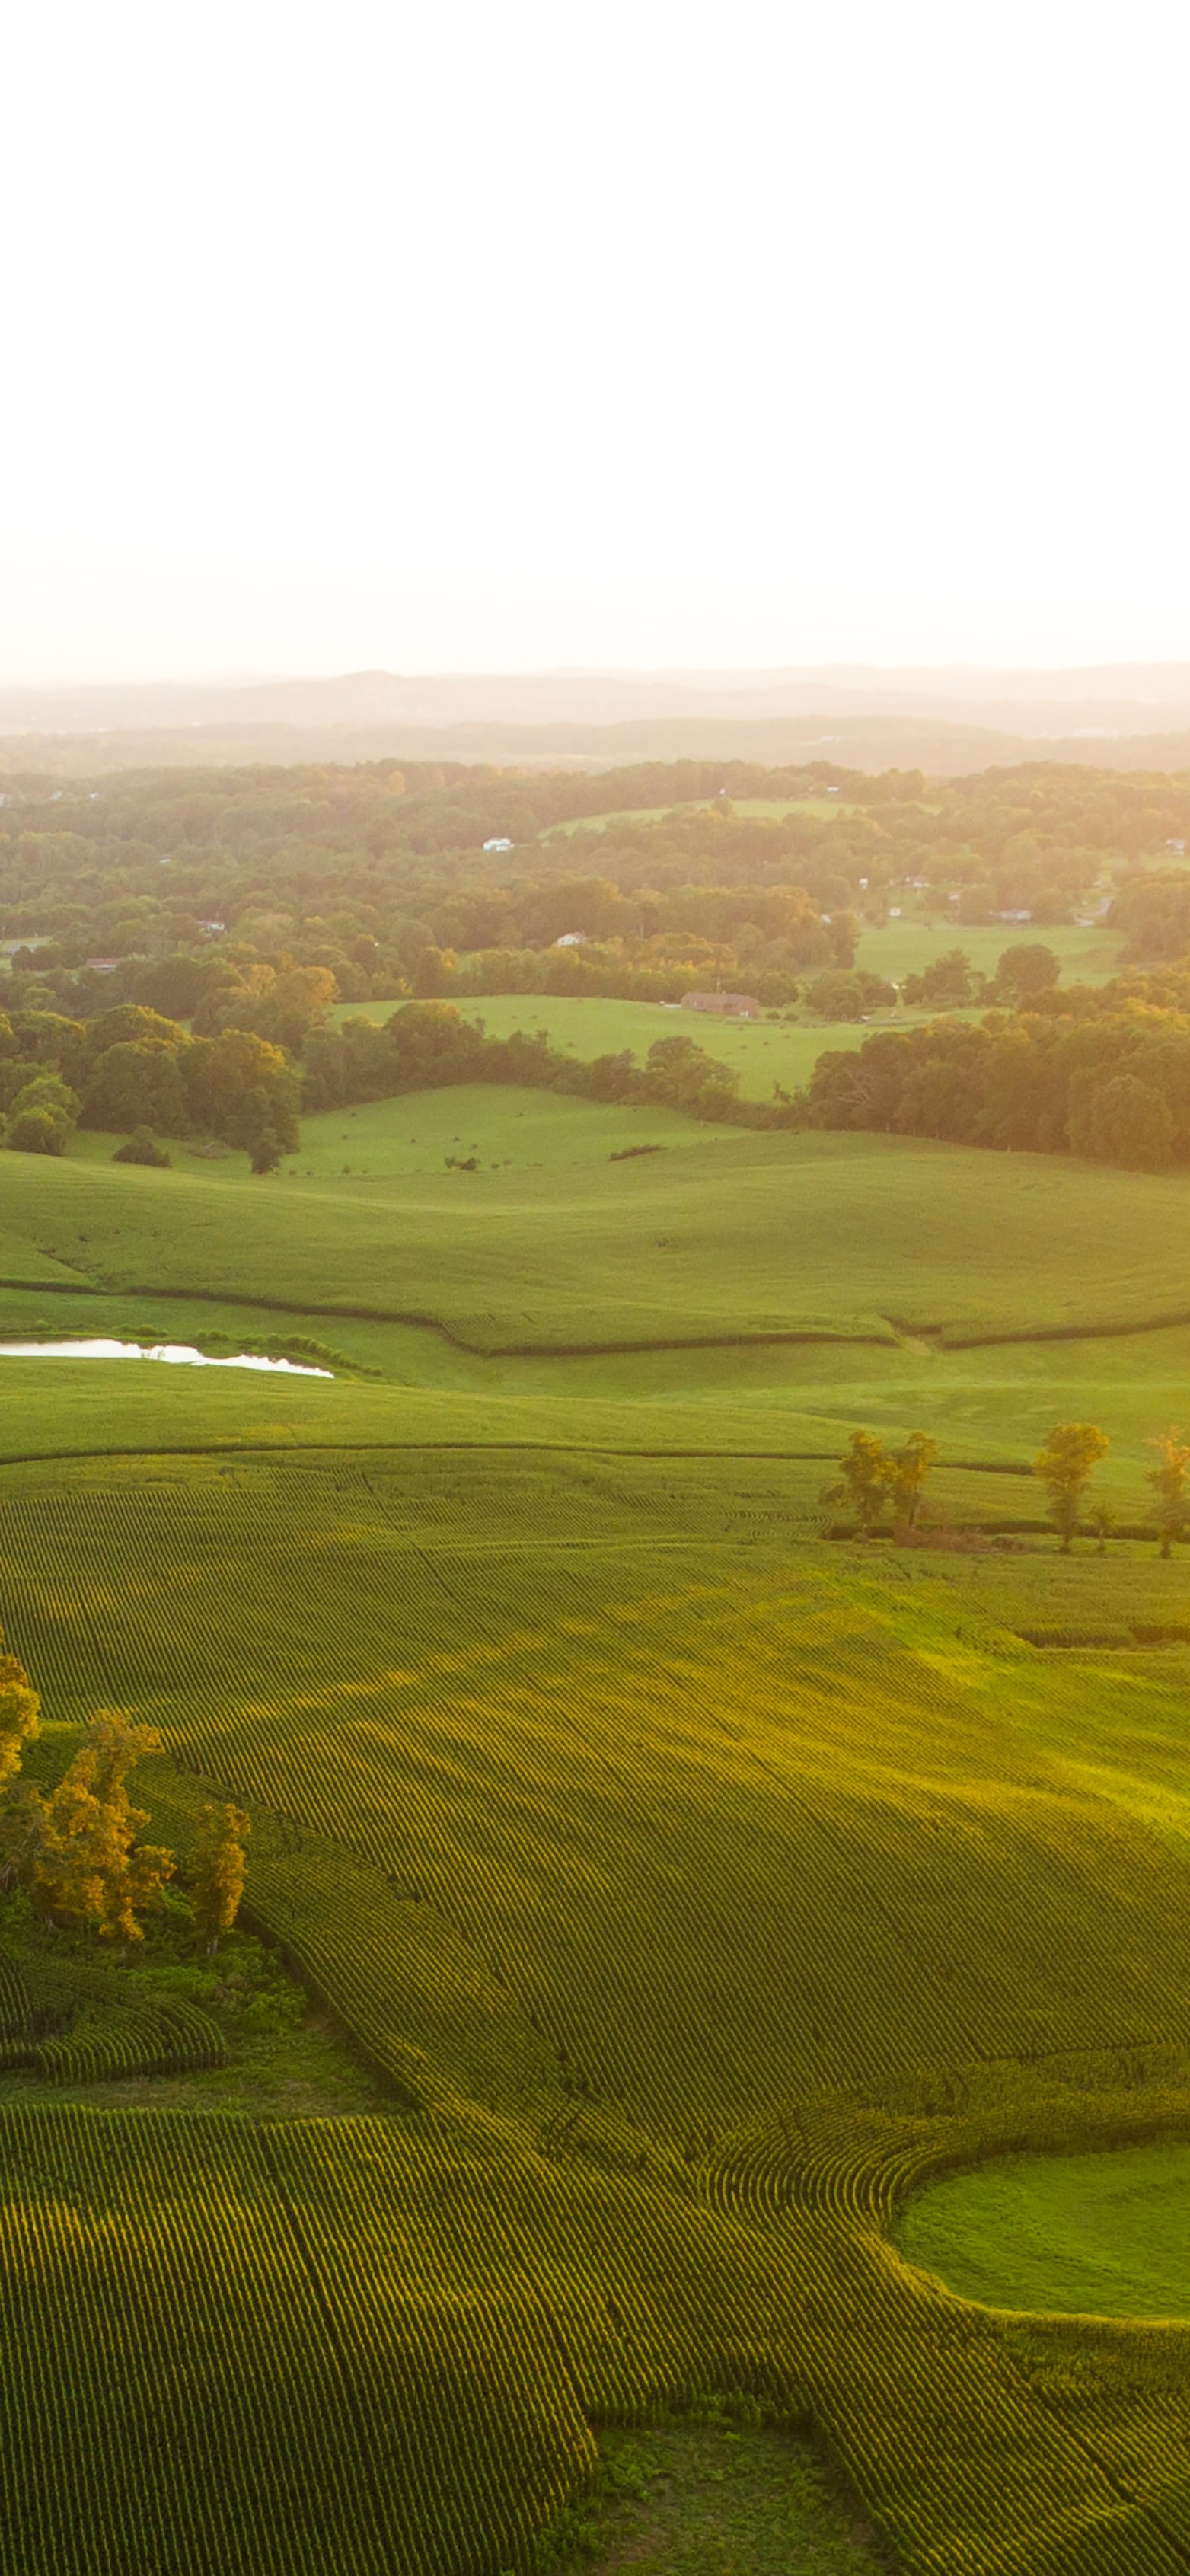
79,1854
1064,1465
1168,1480
218,1870
906,1473
19,1705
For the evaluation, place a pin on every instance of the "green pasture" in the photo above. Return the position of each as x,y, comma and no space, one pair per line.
1108,2234
893,1241
771,1049
764,808
907,946
508,1129
731,1296
763,1052
696,2499
430,1394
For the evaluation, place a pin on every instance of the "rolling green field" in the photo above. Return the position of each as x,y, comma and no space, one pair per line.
692,1884
889,1240
509,1129
822,808
604,1304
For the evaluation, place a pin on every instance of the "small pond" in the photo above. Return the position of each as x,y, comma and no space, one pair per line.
1103,2235
183,1352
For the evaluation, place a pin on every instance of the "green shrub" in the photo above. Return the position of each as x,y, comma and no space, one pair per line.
37,1131
142,1147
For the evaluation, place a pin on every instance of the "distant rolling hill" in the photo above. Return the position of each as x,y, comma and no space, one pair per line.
946,722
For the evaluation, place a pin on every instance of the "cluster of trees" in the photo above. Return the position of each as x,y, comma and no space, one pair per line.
77,1851
428,1045
951,983
243,902
1107,1076
1153,912
1068,1460
874,1479
130,1067
849,994
379,877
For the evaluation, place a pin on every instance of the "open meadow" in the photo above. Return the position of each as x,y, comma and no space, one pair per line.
908,946
683,1883
762,1052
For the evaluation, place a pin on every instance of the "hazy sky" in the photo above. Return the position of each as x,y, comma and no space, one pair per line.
503,334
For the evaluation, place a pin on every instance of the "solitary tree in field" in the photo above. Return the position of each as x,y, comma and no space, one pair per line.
906,1470
1168,1480
1023,972
1064,1466
217,1879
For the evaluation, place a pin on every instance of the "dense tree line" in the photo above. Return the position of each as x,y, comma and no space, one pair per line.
1100,1074
129,1067
1154,914
228,909
378,875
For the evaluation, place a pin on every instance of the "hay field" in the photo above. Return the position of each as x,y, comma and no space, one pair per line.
694,1884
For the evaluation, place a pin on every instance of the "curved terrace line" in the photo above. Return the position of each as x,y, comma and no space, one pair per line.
945,1338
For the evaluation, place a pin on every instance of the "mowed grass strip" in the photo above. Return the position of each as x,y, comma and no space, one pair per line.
1104,2234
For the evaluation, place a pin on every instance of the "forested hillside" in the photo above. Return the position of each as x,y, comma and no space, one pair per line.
195,931
379,875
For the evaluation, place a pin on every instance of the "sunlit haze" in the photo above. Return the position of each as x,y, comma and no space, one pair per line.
472,338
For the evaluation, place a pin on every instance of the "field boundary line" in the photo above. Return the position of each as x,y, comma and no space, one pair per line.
942,1336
